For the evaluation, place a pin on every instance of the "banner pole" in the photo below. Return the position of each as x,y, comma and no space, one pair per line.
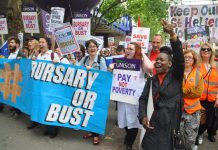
53,42
2,38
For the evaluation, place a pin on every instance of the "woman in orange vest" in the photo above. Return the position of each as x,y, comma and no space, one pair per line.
192,89
210,95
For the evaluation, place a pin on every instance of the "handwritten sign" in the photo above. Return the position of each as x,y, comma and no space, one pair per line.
185,16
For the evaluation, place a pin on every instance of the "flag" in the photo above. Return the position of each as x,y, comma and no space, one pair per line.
4,49
139,22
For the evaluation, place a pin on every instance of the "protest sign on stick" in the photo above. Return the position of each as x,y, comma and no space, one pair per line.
125,84
141,36
188,16
82,27
3,24
66,40
30,19
195,36
57,18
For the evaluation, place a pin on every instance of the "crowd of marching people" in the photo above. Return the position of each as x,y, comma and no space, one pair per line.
184,89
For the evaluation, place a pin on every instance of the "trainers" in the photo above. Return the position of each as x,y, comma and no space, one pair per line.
200,139
195,147
211,138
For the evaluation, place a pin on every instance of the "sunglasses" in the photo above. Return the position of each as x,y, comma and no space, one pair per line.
206,49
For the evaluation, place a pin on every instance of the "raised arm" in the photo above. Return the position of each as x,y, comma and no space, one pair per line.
147,65
178,57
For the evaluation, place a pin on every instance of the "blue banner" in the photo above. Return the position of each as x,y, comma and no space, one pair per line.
57,94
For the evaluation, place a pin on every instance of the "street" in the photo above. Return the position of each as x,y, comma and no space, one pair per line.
15,136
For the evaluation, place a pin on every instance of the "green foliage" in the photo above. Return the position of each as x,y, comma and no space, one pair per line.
149,11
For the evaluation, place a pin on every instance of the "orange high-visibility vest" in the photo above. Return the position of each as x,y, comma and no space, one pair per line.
210,83
192,105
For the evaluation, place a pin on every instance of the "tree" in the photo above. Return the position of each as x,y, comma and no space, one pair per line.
150,12
102,13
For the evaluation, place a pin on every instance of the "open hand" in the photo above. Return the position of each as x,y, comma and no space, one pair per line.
88,67
168,28
146,123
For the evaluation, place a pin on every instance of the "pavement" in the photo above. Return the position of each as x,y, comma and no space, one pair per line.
15,136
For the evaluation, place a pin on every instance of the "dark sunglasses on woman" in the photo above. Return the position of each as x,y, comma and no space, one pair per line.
206,49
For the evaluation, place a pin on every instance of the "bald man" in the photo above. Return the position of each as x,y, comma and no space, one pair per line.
156,44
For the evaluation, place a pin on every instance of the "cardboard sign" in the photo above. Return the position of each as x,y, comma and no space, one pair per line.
141,36
82,27
195,36
3,26
57,18
111,42
66,40
187,16
125,84
30,22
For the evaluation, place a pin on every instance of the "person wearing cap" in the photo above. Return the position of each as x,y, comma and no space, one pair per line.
167,96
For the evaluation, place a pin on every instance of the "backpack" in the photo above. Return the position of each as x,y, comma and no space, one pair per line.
98,60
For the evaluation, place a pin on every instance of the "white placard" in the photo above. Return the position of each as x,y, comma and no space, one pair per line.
82,27
57,18
141,36
187,16
30,22
3,26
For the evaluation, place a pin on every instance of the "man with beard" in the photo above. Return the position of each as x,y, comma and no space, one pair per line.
14,53
13,46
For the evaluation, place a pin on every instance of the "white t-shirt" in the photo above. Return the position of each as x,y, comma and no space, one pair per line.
47,56
13,55
64,61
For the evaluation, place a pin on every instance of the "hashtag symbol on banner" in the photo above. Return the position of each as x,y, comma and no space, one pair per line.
10,84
